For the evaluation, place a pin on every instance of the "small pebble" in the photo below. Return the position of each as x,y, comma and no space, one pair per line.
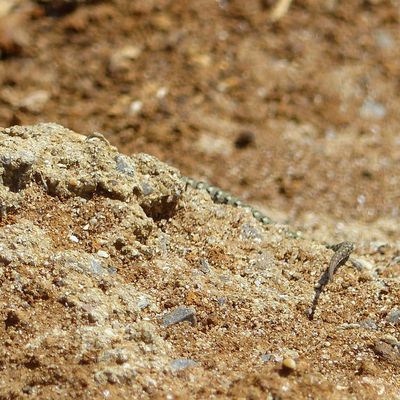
181,363
180,314
289,363
74,239
96,267
368,324
124,165
161,92
394,316
135,107
266,357
204,266
372,109
103,254
248,231
143,302
147,189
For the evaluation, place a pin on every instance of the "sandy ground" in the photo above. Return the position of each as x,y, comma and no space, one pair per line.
297,117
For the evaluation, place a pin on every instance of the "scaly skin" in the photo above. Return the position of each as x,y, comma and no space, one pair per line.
342,250
342,253
219,196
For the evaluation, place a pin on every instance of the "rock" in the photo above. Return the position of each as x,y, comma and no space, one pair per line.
266,357
180,364
25,243
124,165
119,356
135,107
394,316
204,266
81,262
74,239
372,109
289,363
103,254
250,232
363,265
180,314
368,324
143,302
96,267
66,168
123,374
147,189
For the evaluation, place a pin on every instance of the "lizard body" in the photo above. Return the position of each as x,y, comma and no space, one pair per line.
342,250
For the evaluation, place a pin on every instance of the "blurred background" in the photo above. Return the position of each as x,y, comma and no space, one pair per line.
295,110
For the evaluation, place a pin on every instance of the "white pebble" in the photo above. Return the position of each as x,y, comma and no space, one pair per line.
161,92
74,239
103,254
135,107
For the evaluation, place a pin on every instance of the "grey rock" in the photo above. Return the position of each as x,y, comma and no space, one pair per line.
394,316
180,314
164,241
250,232
96,268
221,301
143,302
63,162
372,109
17,169
147,189
124,165
204,266
368,324
112,270
180,364
120,374
23,242
81,262
266,357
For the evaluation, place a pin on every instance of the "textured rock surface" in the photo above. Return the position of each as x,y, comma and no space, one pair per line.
98,250
83,166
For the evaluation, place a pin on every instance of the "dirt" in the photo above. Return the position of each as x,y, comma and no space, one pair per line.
297,117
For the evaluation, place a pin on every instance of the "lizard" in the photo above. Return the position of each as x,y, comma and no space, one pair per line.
222,197
342,251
